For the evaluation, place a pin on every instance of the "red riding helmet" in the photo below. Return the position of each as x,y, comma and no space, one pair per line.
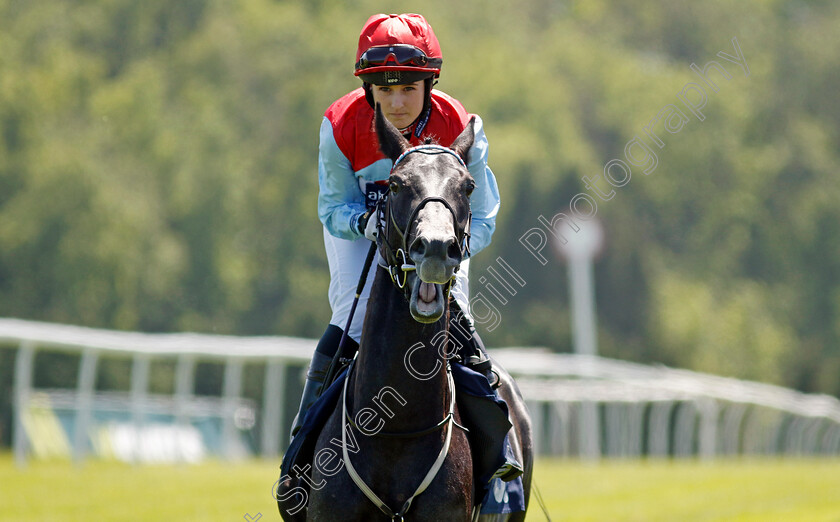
397,49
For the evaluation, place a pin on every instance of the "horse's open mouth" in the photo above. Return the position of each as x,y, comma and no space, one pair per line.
426,302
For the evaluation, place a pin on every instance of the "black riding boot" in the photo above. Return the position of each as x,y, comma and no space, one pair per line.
317,372
312,388
475,357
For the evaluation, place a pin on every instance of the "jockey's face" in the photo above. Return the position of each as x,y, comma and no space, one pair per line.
401,104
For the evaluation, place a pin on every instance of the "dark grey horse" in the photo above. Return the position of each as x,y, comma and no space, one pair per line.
397,423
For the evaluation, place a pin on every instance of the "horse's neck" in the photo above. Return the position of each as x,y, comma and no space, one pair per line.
385,377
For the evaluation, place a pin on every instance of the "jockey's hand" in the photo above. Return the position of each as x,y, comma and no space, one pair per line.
367,226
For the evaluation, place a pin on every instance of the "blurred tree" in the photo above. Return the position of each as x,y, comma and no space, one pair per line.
158,168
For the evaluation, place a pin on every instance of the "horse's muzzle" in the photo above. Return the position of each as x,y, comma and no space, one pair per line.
435,259
435,250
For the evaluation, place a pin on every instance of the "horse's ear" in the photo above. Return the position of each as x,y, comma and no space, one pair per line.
391,142
464,141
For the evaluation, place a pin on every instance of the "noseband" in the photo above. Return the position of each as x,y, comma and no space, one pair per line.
398,261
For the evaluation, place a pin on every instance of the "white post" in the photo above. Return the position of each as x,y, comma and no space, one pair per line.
184,388
23,388
585,342
139,388
536,408
273,406
582,288
579,250
231,390
84,406
659,430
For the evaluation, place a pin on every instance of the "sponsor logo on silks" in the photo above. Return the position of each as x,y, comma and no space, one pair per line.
375,191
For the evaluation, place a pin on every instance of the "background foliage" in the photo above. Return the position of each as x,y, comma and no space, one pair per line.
158,168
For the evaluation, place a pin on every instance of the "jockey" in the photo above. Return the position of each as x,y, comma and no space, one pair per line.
398,60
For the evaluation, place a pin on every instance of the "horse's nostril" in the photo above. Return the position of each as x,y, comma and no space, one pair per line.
418,248
453,251
444,250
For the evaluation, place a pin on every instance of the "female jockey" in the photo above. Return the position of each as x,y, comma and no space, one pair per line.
398,59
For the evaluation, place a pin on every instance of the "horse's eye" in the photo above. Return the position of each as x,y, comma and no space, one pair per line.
394,186
470,187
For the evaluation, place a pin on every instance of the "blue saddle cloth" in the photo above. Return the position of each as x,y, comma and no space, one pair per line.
499,497
302,448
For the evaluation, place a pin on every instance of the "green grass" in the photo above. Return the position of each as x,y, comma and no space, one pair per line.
659,490
731,490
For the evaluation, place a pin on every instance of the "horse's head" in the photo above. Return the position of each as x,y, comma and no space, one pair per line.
427,216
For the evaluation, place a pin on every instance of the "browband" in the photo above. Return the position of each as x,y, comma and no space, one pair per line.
420,148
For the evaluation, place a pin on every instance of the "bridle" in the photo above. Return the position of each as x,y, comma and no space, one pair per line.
398,263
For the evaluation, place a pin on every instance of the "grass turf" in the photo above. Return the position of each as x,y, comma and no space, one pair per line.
730,490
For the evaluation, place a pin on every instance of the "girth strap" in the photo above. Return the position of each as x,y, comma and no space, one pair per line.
429,476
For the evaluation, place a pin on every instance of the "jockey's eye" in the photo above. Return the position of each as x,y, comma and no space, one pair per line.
470,187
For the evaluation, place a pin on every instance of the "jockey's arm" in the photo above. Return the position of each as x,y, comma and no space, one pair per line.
484,201
340,200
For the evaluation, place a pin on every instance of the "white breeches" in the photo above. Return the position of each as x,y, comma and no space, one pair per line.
346,259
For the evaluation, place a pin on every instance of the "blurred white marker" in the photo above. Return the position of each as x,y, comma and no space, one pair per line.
579,250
